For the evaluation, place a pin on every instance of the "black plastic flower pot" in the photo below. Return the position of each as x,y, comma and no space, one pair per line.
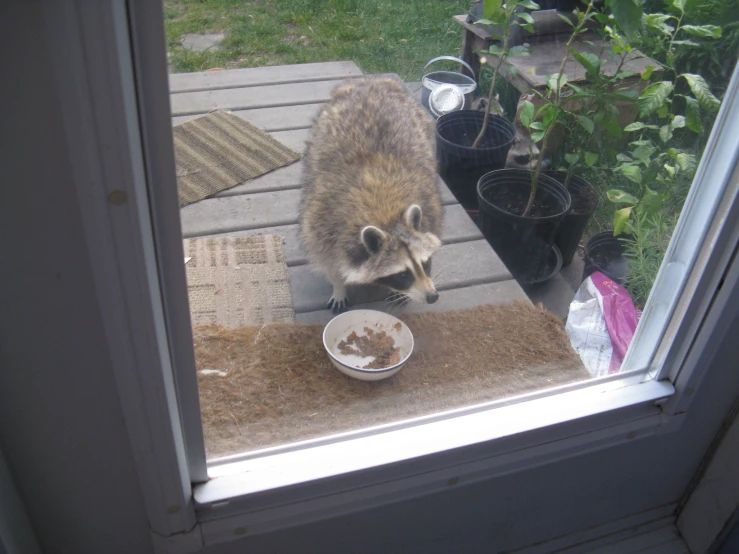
524,244
585,200
460,165
605,253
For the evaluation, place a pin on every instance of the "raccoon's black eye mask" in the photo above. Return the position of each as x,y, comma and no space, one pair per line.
403,280
398,281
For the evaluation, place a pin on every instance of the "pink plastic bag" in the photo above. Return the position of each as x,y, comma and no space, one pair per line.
601,324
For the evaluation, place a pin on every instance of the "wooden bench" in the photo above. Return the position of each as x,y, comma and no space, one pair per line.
547,49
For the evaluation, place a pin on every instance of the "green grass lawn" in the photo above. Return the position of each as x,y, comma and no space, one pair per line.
379,35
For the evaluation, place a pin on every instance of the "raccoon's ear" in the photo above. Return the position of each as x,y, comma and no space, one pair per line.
373,238
413,216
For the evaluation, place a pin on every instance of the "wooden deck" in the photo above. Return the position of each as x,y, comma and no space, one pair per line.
283,101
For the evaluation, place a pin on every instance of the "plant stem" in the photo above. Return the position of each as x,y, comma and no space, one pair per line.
570,173
557,102
531,154
574,34
671,52
674,34
492,93
618,70
537,171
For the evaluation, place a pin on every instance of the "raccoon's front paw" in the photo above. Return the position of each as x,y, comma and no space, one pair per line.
339,299
338,305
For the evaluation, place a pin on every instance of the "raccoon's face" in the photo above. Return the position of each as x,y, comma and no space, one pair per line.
398,258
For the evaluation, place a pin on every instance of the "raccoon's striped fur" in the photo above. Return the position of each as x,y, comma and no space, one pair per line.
370,210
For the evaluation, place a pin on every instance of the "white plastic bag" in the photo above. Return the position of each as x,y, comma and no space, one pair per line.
601,324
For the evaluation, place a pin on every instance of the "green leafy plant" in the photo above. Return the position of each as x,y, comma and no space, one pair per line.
645,250
542,121
653,171
597,110
659,161
713,59
504,17
592,121
592,117
666,107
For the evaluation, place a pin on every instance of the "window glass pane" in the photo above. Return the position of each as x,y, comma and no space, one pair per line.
499,287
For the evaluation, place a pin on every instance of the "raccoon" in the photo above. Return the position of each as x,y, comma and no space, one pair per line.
370,211
524,153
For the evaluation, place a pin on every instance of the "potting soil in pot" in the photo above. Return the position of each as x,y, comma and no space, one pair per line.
513,200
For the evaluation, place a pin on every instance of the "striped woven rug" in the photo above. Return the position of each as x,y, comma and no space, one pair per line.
221,150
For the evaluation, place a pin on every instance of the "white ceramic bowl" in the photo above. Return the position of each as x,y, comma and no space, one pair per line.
356,320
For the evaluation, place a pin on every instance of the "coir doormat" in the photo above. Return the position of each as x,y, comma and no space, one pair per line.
262,386
221,150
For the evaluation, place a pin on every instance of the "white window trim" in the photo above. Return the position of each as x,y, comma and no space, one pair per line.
94,78
335,478
155,128
115,149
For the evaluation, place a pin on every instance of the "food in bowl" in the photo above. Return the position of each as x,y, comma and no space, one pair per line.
379,345
355,351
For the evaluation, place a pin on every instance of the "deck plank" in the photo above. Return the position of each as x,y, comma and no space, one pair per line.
295,138
285,178
226,214
504,292
290,177
555,295
272,119
461,265
259,76
278,119
237,213
456,227
199,102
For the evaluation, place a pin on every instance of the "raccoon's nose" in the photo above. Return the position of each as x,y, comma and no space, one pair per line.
432,297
